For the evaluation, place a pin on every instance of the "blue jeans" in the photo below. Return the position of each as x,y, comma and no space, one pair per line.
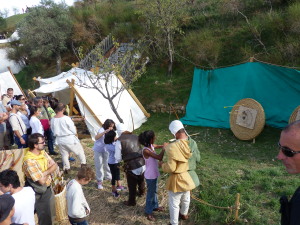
151,199
48,133
18,142
80,223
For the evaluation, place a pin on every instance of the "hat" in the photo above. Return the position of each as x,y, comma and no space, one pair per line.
175,126
15,102
6,204
121,128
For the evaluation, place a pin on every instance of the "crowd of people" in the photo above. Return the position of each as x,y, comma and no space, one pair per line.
33,124
42,121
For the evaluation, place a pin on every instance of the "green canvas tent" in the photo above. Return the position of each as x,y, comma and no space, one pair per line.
214,92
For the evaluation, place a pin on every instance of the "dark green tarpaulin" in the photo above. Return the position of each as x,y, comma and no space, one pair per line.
276,88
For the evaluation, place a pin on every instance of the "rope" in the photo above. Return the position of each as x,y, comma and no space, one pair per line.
290,67
206,203
212,68
230,208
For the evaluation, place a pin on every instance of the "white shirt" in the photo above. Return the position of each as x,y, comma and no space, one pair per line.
64,130
24,206
17,123
25,119
118,157
77,204
36,125
99,144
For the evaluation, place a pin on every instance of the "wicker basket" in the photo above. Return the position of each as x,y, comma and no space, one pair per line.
61,208
244,133
294,115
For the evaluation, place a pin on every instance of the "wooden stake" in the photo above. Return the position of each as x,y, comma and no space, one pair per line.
13,76
134,97
174,112
83,101
72,98
237,207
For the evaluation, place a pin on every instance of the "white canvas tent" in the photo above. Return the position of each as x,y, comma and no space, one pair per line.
7,80
93,106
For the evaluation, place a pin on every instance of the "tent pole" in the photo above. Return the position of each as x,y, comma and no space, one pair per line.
134,97
13,76
85,104
72,98
31,93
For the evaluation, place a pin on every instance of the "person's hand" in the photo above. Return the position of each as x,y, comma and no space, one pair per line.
22,141
165,145
108,129
160,164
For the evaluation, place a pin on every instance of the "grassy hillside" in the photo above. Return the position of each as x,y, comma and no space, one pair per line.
12,21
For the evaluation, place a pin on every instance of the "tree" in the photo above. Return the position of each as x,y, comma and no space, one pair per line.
165,16
3,24
130,66
4,13
15,10
45,31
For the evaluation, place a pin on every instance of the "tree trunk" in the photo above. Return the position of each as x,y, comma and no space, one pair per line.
113,108
58,63
170,48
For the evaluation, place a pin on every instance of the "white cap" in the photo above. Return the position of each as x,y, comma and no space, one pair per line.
175,126
121,128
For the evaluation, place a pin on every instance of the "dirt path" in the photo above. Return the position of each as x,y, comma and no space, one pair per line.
108,210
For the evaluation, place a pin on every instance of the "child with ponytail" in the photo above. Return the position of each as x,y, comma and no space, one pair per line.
151,174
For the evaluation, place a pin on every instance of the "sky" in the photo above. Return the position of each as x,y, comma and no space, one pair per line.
10,4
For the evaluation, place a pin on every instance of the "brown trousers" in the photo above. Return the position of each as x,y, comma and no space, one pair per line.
134,182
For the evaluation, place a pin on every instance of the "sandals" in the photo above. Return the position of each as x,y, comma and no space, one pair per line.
150,217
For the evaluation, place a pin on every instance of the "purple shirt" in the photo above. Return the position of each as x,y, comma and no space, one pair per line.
151,165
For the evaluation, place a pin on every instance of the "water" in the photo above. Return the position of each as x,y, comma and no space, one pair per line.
5,62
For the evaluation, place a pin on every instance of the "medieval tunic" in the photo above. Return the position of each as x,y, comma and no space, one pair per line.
178,154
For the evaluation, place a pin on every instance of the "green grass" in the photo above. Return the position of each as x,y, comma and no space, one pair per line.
12,21
155,86
229,166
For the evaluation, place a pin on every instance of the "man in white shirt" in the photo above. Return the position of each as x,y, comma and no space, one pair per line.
24,197
7,98
18,126
66,137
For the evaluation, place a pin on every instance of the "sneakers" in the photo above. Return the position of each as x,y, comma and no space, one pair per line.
115,194
72,159
121,188
100,186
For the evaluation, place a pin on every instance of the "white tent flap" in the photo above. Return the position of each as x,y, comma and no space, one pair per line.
129,111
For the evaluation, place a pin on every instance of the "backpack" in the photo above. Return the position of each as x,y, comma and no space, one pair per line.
290,209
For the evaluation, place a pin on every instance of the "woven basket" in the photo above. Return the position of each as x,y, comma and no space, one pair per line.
244,133
294,115
61,208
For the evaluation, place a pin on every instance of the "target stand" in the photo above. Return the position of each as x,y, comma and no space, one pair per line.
247,119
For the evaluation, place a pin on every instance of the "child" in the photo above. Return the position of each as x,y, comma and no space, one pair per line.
151,174
78,208
100,155
113,164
